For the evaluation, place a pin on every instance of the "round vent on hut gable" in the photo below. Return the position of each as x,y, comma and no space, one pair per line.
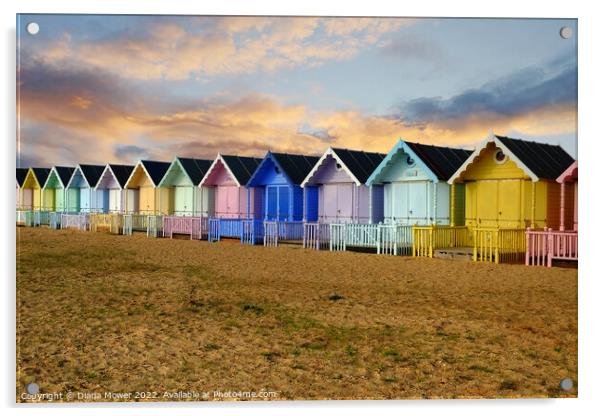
499,156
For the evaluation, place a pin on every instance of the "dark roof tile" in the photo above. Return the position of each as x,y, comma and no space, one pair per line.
546,161
65,173
242,167
195,168
21,175
296,167
121,173
155,169
442,161
360,163
41,174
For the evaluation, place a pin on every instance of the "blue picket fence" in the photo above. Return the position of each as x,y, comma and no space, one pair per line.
275,232
247,230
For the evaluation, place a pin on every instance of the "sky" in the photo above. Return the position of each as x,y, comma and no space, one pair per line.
115,89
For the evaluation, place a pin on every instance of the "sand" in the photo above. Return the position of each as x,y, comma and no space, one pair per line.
102,313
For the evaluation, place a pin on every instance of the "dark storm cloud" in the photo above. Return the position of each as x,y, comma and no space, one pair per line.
522,92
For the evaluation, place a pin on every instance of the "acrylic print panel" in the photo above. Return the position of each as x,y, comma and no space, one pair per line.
351,302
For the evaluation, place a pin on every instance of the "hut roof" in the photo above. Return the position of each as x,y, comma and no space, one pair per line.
121,173
439,162
91,173
41,174
195,168
570,174
242,167
21,174
155,170
64,174
537,160
294,167
358,164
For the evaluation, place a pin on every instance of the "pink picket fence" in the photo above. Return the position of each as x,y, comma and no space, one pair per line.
195,227
546,245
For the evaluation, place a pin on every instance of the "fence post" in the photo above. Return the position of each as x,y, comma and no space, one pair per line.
431,241
527,245
474,244
497,246
550,249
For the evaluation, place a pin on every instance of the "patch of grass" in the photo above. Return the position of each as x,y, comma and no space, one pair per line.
390,352
335,297
482,368
270,355
298,366
508,385
210,346
351,351
251,307
390,379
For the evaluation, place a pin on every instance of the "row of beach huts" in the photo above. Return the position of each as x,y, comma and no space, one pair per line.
509,200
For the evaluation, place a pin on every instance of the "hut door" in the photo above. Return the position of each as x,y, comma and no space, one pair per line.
509,197
84,199
183,200
147,200
345,201
487,203
114,200
329,205
27,201
399,201
418,202
272,202
283,204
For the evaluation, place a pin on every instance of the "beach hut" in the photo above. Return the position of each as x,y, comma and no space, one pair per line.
23,199
338,182
568,181
184,176
54,197
23,196
82,198
145,202
414,180
544,246
510,184
81,193
113,180
32,187
236,210
277,181
53,192
32,196
192,204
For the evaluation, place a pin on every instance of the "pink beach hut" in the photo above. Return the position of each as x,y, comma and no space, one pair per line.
543,247
237,210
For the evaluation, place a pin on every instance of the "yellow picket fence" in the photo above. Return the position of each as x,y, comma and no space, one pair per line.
497,245
112,223
428,238
488,244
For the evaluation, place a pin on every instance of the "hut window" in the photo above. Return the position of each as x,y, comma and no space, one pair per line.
410,161
338,166
499,156
276,170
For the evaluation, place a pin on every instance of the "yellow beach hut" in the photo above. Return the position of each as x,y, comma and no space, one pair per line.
145,201
510,185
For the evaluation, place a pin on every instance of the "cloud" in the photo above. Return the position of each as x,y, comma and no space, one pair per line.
523,92
205,47
73,115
